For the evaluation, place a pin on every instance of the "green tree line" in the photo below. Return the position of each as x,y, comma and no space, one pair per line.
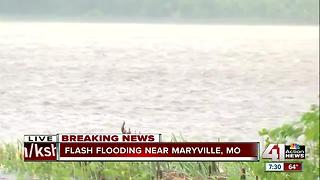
283,10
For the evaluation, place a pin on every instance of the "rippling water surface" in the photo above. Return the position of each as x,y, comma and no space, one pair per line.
201,81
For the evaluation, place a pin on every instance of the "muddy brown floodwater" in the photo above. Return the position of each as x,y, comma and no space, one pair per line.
202,81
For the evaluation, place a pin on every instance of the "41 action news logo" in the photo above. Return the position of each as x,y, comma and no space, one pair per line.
280,152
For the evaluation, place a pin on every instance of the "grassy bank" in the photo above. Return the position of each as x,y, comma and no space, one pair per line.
306,130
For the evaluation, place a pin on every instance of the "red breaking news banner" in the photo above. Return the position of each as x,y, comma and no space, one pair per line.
186,151
133,147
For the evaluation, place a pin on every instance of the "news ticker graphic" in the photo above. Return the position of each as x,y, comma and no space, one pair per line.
283,166
93,138
281,152
132,147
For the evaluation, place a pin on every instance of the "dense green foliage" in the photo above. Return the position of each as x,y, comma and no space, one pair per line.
304,131
306,11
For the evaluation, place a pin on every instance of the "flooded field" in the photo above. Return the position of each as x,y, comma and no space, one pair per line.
202,81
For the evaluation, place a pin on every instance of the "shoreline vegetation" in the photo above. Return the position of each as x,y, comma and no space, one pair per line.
165,11
305,130
224,21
